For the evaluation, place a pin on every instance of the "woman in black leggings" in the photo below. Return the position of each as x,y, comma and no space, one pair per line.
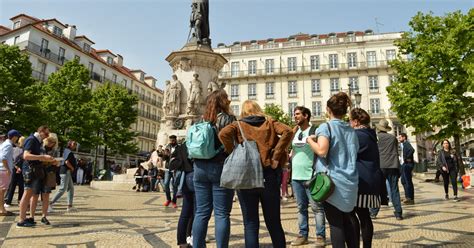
371,180
447,163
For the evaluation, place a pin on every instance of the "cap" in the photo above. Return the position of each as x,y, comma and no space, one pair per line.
12,133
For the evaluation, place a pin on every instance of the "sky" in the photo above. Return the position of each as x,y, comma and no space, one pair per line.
145,32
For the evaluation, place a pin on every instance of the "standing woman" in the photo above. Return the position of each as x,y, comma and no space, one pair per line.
447,164
207,179
371,180
337,141
273,139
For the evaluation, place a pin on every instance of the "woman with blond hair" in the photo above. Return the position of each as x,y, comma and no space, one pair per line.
209,195
273,139
17,176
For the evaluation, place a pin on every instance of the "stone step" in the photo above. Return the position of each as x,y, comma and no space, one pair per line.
123,178
131,171
110,185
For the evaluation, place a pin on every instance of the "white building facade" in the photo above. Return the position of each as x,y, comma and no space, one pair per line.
305,70
50,44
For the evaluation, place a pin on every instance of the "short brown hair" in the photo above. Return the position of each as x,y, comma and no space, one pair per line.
339,103
361,115
42,128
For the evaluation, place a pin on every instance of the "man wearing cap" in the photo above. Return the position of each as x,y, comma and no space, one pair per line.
6,167
390,165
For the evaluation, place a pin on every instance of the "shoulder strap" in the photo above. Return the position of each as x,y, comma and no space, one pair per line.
312,129
241,131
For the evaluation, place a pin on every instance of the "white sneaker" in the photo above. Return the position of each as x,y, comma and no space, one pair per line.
50,209
6,205
189,240
71,209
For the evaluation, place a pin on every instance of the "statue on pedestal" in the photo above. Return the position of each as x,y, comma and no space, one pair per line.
195,95
214,85
173,97
199,21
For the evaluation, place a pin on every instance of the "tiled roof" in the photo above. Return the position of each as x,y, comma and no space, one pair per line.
84,37
4,30
54,19
105,51
27,16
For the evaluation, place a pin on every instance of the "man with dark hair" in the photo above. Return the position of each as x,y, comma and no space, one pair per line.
66,169
302,159
32,168
169,173
407,167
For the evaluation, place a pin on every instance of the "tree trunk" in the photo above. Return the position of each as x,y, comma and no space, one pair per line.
460,164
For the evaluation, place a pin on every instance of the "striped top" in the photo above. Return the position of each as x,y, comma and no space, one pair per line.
368,201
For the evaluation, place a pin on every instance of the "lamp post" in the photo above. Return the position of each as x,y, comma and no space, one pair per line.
357,96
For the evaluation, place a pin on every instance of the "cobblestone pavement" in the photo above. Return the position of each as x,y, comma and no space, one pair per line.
131,219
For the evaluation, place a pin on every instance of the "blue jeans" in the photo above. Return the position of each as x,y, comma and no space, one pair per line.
66,185
211,196
392,180
303,198
269,197
169,175
387,184
407,181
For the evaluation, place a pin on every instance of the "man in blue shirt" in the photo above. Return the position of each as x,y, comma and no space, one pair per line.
407,168
6,167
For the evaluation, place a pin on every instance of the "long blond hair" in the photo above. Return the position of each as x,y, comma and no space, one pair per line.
250,108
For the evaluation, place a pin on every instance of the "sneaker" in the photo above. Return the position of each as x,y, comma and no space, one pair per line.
446,197
300,241
399,217
390,204
284,199
189,240
7,205
167,203
320,241
373,216
409,202
24,224
456,199
45,221
71,209
50,209
31,220
174,205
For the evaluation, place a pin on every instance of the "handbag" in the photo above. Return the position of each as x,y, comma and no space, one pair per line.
321,185
243,167
51,179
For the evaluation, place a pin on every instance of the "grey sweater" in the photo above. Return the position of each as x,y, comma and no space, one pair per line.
388,150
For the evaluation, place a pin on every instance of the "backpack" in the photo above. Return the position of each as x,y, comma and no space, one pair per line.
201,141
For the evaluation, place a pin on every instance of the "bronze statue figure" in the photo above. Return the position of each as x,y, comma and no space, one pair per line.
199,21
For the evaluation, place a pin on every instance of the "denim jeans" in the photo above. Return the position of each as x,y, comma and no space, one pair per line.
211,196
169,175
394,196
407,181
303,198
269,197
187,211
65,185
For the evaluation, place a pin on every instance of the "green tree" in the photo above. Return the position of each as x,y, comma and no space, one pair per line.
65,99
276,112
18,101
113,111
433,90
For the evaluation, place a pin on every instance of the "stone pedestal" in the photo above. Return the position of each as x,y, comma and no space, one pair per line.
192,59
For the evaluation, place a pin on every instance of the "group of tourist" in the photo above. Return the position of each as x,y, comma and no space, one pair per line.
31,164
362,162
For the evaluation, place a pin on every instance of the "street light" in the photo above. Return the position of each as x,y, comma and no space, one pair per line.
358,98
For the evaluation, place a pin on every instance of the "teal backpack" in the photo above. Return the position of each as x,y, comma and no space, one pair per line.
201,141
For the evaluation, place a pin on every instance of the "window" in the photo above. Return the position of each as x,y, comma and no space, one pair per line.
91,67
252,91
316,109
142,94
291,107
114,78
57,31
234,92
16,24
86,47
110,60
252,67
352,60
391,79
333,64
142,108
44,46
269,90
314,61
269,64
371,59
391,54
103,74
292,64
42,67
334,82
292,89
142,76
77,57
235,109
315,87
373,84
125,82
136,89
375,106
234,69
61,54
354,83
15,41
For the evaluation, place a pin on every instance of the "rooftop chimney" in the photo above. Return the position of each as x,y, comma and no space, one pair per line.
70,32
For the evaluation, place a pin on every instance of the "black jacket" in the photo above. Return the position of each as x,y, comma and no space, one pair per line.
408,152
179,159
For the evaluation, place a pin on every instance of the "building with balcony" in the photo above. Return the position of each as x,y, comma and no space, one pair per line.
306,70
50,43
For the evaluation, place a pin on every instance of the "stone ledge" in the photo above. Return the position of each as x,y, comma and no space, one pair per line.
111,185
